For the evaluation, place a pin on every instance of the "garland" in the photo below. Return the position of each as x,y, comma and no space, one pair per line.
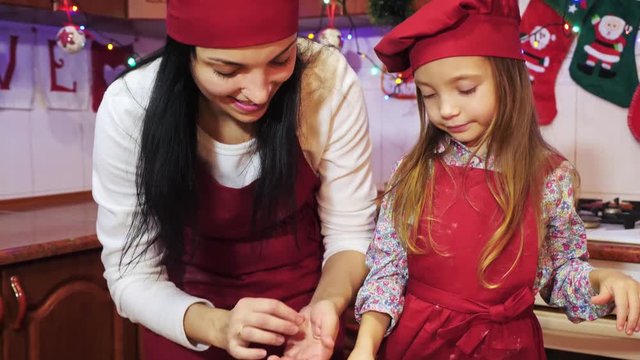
389,12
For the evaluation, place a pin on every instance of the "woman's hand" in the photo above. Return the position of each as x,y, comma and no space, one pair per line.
252,320
317,337
625,291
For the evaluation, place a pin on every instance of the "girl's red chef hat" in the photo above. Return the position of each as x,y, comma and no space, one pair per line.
231,24
446,28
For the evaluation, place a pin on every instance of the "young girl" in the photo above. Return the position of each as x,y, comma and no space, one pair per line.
234,187
479,216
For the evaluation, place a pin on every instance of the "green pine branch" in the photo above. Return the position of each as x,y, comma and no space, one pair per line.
389,12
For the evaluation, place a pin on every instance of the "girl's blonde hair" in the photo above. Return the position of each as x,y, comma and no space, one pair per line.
520,153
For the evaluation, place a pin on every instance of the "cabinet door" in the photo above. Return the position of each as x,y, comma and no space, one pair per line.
66,312
313,8
111,8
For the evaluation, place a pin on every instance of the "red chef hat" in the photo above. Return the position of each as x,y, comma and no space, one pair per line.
446,28
231,24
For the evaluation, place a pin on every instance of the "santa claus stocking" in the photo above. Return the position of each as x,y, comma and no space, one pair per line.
545,44
604,63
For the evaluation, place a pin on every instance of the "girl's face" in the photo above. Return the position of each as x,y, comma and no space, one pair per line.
459,96
239,83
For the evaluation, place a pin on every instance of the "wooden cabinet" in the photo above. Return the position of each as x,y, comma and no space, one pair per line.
111,8
60,308
313,8
42,4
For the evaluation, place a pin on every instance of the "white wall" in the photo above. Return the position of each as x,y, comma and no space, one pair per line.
47,152
44,151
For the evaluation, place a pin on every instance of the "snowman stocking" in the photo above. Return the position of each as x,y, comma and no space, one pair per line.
604,62
545,44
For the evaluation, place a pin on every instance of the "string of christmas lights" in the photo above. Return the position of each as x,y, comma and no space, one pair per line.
72,38
392,85
68,37
568,29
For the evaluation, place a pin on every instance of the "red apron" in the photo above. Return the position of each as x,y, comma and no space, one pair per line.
224,262
448,314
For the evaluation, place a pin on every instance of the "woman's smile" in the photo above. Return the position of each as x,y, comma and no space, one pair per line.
246,107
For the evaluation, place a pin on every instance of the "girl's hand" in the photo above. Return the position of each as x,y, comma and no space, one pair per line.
317,335
360,354
252,320
625,291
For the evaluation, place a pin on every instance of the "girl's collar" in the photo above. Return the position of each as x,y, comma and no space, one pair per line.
449,146
448,142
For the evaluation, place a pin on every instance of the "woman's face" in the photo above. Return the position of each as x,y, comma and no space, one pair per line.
240,83
459,96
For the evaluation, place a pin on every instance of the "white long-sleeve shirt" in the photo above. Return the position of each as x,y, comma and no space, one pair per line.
333,134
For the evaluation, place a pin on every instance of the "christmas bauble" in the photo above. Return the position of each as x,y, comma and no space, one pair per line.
71,39
331,37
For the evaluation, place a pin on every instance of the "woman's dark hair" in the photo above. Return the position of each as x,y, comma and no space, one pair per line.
166,172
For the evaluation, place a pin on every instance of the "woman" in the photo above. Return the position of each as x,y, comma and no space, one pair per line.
234,187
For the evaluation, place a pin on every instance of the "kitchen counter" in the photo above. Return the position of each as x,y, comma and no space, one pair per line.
29,234
613,243
609,251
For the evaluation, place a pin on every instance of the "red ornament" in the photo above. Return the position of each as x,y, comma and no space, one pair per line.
66,38
71,39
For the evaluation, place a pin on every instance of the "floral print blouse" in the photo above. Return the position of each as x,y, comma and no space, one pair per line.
563,271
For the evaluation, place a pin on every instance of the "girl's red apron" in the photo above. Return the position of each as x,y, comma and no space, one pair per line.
448,314
224,262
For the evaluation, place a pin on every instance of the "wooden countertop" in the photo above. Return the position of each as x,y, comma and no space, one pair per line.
613,252
53,230
28,234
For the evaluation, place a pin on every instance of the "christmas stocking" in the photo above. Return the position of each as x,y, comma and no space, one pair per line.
571,11
604,63
106,65
545,44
